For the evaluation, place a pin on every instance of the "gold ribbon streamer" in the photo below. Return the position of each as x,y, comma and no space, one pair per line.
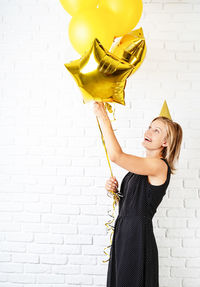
116,196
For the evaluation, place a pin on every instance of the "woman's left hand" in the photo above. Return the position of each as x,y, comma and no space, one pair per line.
99,110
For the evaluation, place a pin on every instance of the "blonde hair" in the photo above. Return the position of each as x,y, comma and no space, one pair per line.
174,139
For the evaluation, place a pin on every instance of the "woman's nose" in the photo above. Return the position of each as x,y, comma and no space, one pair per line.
149,134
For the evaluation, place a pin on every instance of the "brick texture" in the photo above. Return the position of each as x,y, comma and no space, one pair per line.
53,167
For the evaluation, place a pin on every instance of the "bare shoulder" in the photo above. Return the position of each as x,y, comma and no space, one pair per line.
161,177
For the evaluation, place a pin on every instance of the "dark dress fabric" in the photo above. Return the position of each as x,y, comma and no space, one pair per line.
133,254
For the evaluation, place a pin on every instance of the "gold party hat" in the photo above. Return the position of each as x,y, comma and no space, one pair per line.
165,111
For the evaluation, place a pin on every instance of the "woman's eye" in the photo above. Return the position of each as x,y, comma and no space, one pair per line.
157,130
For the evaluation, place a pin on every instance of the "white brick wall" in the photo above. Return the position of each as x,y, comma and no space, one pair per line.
53,168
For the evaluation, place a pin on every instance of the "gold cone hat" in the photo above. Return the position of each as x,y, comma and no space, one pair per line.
165,111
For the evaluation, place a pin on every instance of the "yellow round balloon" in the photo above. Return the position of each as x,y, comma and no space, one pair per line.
72,6
127,13
87,25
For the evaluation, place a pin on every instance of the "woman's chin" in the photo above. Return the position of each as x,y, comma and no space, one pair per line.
144,145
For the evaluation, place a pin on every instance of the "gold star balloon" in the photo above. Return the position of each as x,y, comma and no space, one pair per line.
131,48
100,75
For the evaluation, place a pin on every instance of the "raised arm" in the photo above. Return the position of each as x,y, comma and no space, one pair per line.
132,163
140,165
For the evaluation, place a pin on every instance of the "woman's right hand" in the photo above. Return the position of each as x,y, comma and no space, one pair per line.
111,184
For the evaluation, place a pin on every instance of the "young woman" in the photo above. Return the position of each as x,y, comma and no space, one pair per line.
134,254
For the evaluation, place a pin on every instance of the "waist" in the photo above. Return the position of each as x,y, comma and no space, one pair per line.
132,216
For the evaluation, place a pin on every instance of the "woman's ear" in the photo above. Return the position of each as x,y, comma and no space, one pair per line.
165,143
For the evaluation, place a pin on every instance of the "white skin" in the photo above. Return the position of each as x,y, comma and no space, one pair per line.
157,133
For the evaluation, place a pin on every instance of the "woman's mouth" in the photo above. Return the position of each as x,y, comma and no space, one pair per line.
147,139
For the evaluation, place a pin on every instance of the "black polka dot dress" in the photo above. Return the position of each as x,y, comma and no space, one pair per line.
134,255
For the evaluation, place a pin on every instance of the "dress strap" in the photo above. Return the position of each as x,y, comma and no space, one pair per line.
169,170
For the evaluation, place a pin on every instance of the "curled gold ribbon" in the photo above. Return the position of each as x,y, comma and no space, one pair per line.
115,195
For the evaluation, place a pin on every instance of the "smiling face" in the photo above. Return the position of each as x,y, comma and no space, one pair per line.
155,136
